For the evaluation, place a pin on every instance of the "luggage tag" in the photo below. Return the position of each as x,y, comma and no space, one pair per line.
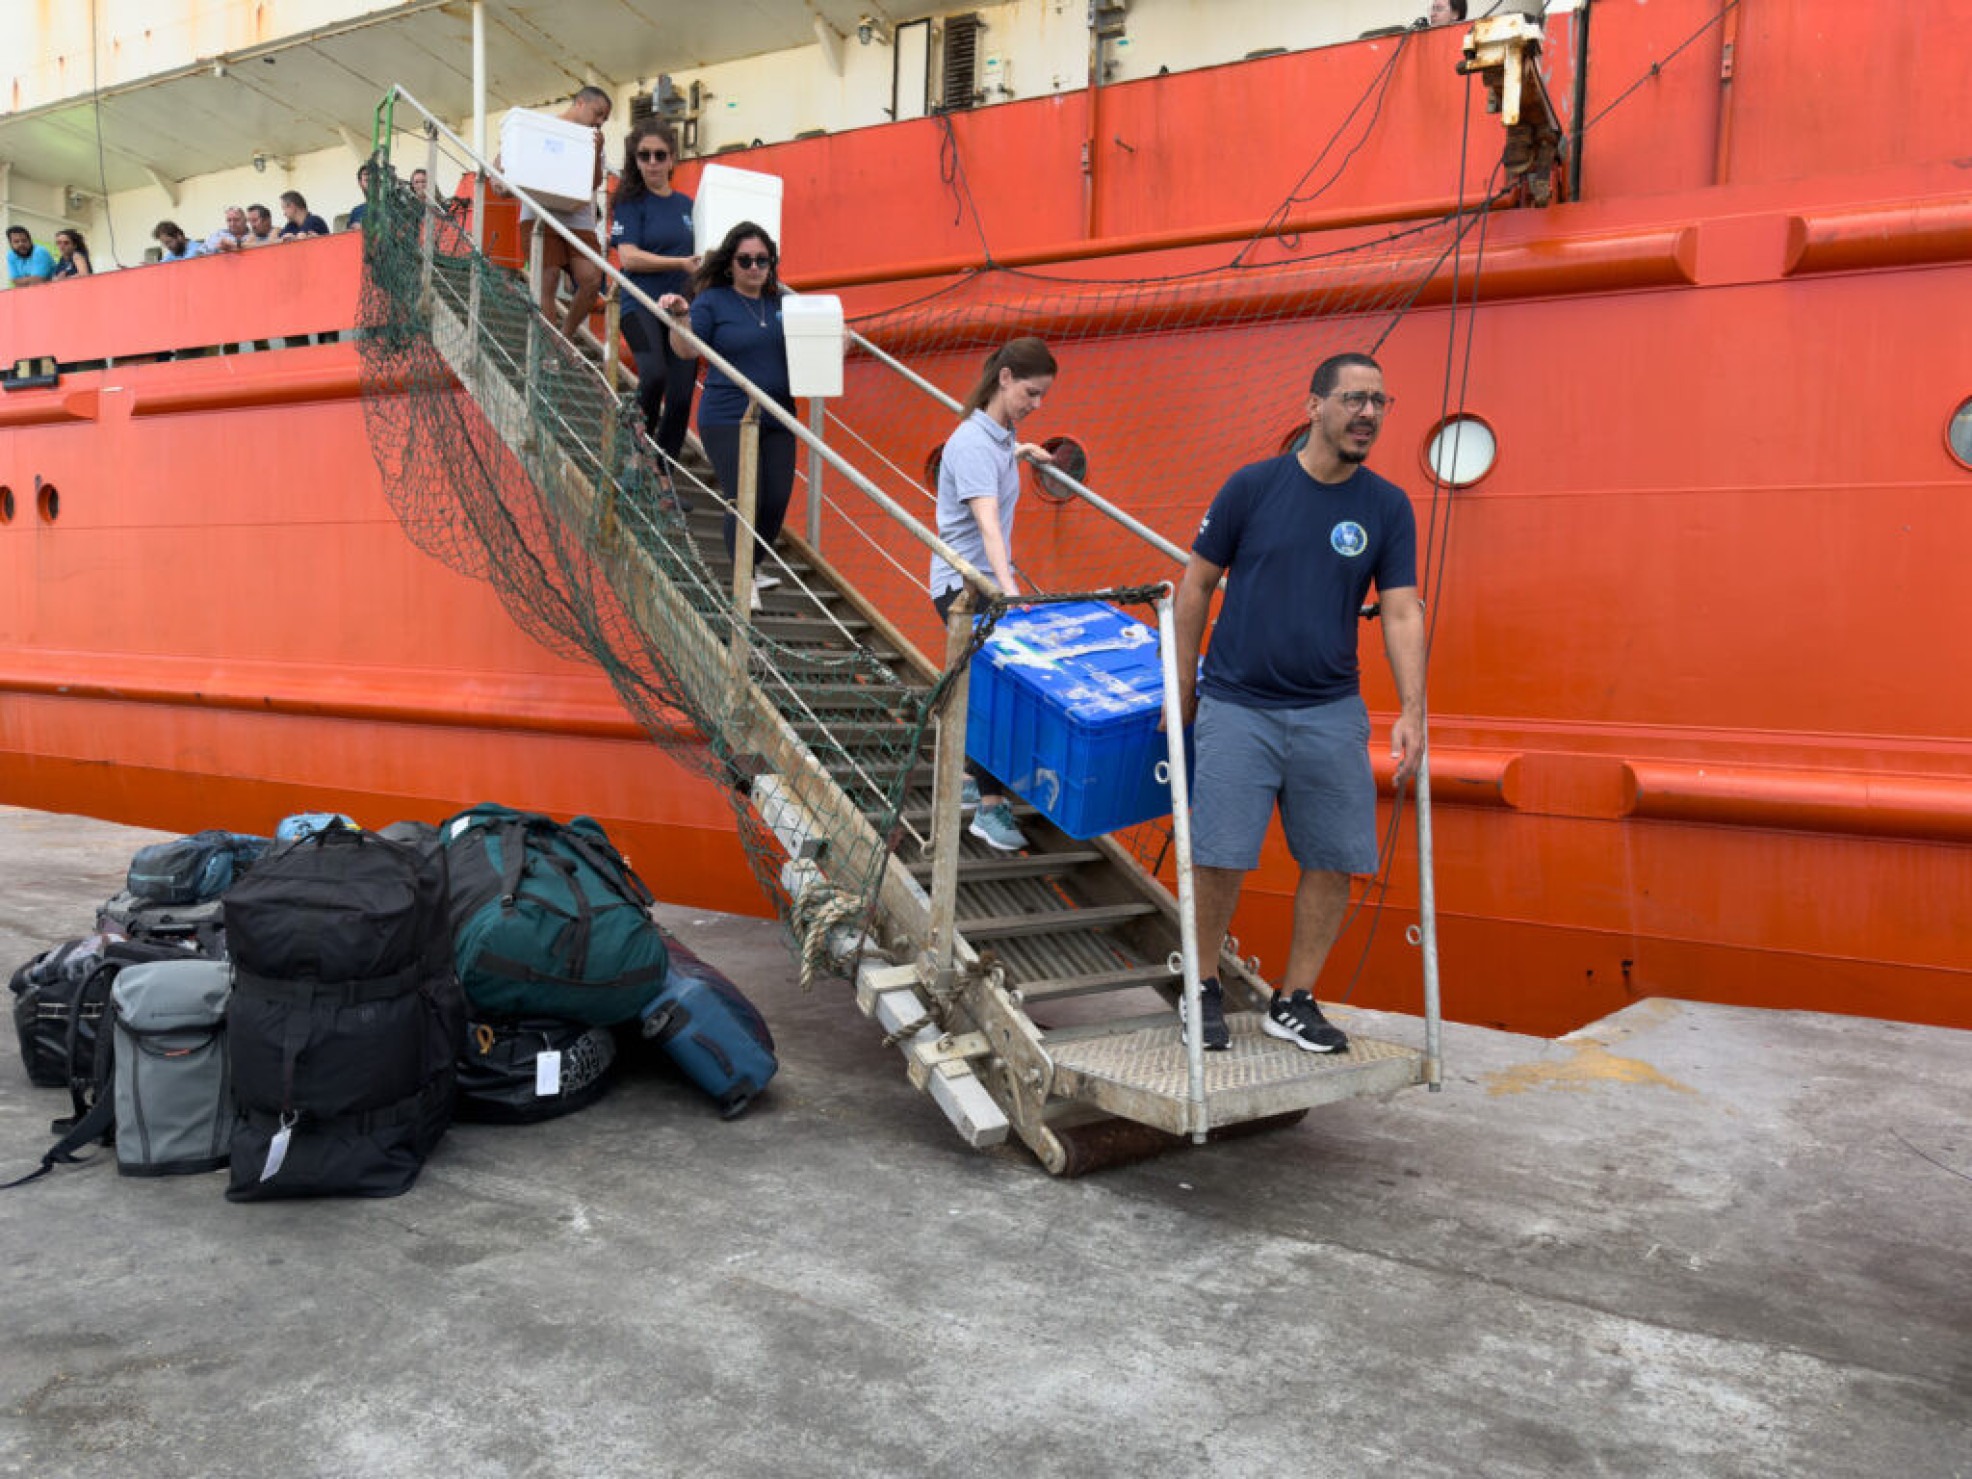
277,1148
547,1074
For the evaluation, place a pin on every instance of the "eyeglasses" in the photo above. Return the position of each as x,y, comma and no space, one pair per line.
747,259
1358,401
654,156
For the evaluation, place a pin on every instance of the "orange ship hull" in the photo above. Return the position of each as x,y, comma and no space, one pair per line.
1694,727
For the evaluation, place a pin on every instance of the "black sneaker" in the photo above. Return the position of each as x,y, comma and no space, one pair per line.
1298,1020
1211,1012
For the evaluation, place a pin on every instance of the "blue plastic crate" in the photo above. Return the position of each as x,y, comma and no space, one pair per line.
1064,708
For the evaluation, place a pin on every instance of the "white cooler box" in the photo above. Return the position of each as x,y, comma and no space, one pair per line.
815,343
727,196
550,158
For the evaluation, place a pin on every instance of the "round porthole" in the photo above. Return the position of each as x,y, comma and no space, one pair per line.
49,503
1461,451
6,505
1294,438
1958,433
934,460
1072,458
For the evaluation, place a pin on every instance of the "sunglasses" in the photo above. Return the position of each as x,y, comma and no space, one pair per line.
747,259
654,156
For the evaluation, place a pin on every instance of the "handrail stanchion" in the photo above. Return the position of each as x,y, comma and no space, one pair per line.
1427,913
613,455
427,228
818,410
478,126
948,779
1174,738
537,246
746,501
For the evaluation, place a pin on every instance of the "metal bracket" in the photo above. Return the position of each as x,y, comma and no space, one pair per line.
1504,51
947,1055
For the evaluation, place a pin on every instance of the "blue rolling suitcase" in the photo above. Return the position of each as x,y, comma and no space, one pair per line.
711,1032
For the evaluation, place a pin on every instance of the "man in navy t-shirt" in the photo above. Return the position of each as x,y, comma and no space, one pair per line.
1300,539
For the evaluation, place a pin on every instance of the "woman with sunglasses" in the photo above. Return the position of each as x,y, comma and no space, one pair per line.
738,313
74,259
651,229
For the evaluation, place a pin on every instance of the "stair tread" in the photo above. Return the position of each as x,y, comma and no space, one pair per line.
999,926
1052,987
1033,865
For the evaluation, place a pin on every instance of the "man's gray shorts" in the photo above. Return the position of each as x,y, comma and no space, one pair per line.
1312,762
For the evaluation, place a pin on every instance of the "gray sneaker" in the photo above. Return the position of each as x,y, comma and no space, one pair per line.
969,794
994,826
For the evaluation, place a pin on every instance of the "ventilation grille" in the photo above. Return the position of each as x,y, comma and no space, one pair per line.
960,73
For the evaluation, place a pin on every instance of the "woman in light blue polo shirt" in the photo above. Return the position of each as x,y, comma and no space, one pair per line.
978,491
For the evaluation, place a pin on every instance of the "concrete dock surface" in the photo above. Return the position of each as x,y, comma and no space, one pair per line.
1690,1240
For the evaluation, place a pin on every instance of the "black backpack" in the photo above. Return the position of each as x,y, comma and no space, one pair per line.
200,928
59,1000
192,869
345,1022
521,1072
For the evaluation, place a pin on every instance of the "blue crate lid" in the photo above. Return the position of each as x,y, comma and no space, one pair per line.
1084,657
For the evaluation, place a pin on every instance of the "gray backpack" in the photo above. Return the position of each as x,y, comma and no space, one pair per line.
174,1107
162,1090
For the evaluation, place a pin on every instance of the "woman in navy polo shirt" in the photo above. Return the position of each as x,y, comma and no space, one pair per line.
738,313
651,229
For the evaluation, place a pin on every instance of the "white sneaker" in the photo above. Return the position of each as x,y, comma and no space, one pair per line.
765,582
754,603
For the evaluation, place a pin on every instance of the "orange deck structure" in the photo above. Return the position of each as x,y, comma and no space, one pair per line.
1697,723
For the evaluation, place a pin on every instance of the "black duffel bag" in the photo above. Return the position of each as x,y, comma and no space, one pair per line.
345,1022
536,1068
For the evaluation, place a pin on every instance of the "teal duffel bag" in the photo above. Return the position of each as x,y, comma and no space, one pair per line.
548,920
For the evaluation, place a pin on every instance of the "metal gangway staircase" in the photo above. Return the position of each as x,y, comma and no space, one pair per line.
1033,996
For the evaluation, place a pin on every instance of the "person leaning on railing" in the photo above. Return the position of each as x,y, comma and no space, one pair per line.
300,221
738,314
73,260
28,262
260,227
173,244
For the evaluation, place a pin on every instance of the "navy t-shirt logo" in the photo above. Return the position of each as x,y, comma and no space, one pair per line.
1347,538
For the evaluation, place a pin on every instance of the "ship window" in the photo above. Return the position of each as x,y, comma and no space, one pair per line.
1072,458
49,503
6,505
1958,435
1461,451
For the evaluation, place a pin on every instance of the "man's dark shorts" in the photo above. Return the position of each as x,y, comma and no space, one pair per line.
1311,762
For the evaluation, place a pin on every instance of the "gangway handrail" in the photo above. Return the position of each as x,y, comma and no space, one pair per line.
1081,490
961,566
